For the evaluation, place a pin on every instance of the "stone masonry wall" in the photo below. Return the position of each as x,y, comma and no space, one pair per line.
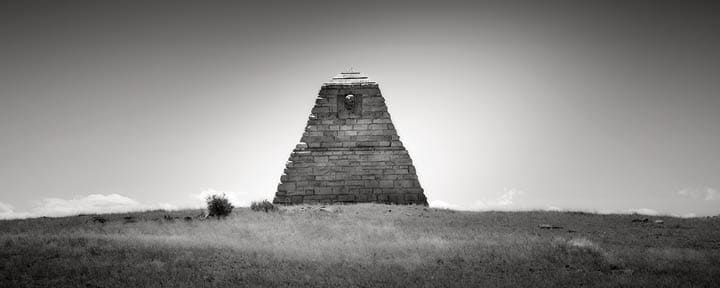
350,152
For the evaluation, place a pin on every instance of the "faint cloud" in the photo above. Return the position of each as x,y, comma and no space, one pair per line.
162,206
479,205
553,208
644,211
703,193
505,200
444,205
90,204
689,215
711,194
5,208
238,199
94,203
7,212
509,197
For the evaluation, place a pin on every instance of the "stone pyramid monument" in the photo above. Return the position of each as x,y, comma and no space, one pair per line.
350,151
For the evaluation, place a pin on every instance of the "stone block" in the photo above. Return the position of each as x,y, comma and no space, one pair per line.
409,177
295,192
335,184
323,190
405,183
346,198
331,144
377,126
378,157
364,121
396,198
386,183
417,190
398,171
316,198
355,183
279,199
286,187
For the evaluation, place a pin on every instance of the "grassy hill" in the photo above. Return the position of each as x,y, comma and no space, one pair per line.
360,246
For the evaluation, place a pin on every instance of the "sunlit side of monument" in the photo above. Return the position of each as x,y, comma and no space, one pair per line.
350,151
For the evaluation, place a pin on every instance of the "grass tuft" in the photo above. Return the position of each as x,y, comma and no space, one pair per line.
263,206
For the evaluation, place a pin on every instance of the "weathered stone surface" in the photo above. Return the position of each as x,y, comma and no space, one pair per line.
350,151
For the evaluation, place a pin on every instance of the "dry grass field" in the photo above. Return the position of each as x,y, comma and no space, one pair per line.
360,246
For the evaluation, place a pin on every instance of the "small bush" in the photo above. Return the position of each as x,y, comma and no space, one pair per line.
218,206
264,206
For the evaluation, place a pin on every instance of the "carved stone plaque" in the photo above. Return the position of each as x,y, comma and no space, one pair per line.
349,105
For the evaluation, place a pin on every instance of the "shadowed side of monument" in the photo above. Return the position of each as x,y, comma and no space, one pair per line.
350,151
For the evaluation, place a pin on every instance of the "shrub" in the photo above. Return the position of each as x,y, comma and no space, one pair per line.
218,206
264,206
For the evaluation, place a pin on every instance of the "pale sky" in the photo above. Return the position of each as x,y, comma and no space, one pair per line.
605,106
